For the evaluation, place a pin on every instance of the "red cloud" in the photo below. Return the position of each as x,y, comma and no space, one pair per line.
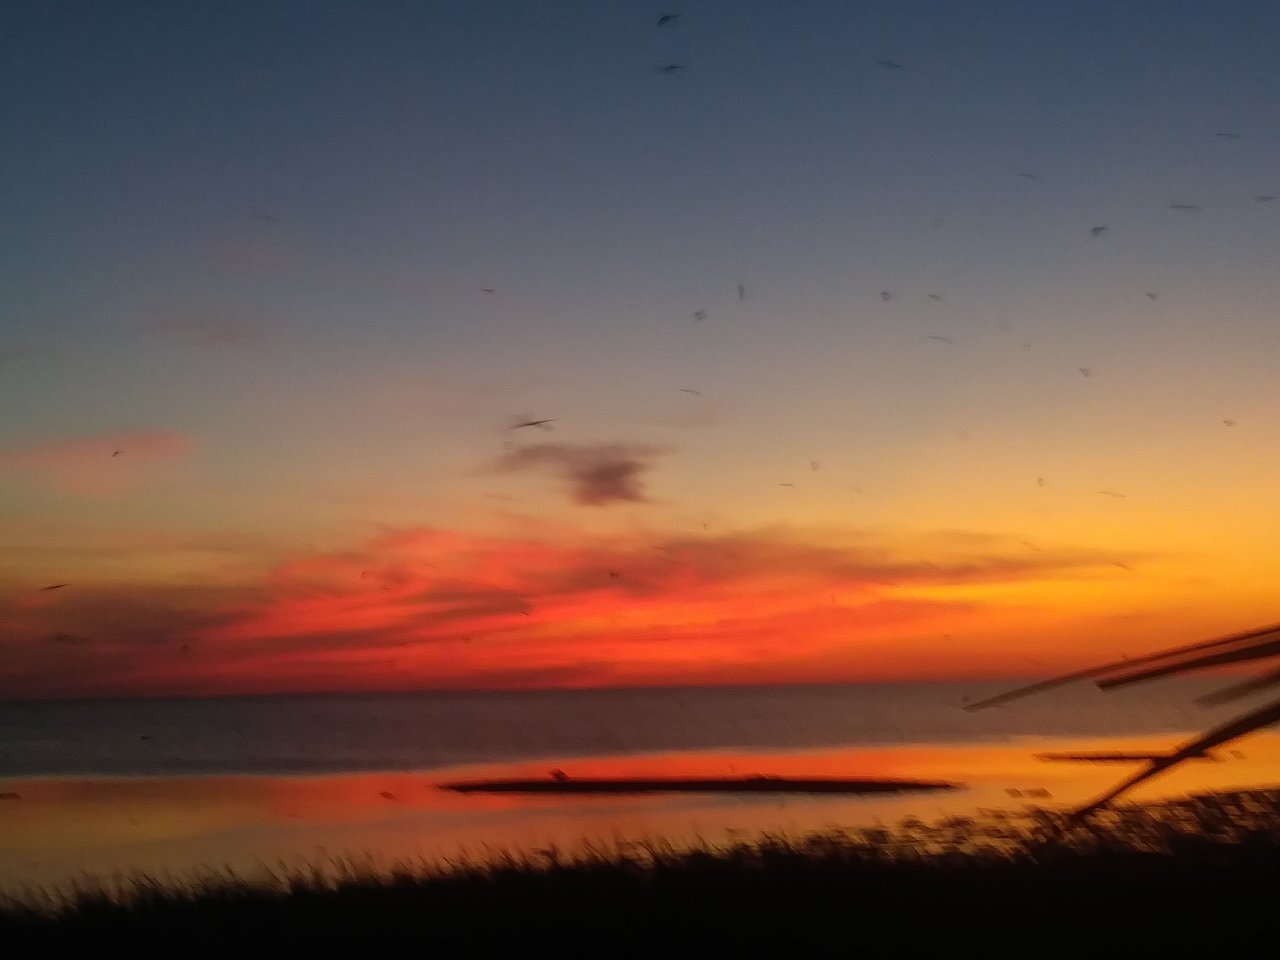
422,609
100,465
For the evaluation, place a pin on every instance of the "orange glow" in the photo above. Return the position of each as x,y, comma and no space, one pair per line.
432,609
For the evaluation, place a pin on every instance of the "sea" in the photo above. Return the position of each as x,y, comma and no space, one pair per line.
112,789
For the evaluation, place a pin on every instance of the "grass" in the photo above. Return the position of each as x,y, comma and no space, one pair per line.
1201,872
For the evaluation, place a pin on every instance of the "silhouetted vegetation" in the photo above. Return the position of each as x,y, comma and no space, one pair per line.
1197,872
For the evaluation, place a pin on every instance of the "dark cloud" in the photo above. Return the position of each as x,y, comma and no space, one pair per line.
597,473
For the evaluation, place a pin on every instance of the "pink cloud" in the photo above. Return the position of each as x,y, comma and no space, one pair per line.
97,466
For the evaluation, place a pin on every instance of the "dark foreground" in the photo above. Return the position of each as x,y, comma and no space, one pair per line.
1193,875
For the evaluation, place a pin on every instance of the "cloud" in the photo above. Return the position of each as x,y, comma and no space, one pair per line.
427,608
598,474
94,466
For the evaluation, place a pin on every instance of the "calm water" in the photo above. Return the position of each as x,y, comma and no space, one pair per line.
173,788
337,734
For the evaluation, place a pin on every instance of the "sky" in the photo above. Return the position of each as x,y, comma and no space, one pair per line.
878,341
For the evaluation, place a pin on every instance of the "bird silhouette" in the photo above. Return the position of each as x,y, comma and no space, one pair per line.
1096,232
934,336
488,290
55,586
699,314
889,64
115,453
1184,206
1085,371
1029,176
1229,423
1151,295
673,68
936,297
1039,481
667,19
742,292
534,423
1111,493
1228,136
1263,198
886,296
690,390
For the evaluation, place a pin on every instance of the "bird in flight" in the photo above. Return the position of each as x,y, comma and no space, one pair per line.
792,485
1111,493
936,297
1228,136
115,453
886,296
673,68
1151,294
1029,176
55,586
742,292
815,465
699,314
534,423
1039,481
1085,371
1263,198
690,390
488,290
1192,207
934,336
667,19
889,64
1229,423
1096,232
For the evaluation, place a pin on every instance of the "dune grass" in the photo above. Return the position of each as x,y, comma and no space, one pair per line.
1203,870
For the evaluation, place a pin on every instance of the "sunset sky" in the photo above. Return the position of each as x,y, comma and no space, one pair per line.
843,382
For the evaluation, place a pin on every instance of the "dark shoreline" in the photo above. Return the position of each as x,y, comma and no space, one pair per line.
1201,872
750,784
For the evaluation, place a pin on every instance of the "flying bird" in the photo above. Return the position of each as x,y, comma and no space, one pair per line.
1096,232
1151,295
787,485
699,314
1184,206
936,297
1029,176
1085,371
1229,423
886,296
934,336
1039,481
815,465
55,586
488,290
673,68
667,19
1228,136
115,453
742,292
535,423
691,391
889,64
1111,493
1263,198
